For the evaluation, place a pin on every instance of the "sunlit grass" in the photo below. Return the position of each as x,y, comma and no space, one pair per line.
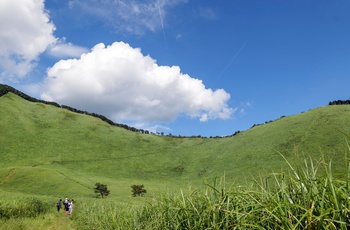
298,200
74,148
47,153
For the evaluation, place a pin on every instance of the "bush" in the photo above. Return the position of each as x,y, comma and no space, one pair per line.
101,189
23,207
138,190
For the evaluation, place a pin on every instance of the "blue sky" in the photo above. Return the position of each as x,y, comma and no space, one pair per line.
183,67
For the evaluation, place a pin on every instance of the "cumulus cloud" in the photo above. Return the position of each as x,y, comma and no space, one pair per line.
121,83
26,32
127,16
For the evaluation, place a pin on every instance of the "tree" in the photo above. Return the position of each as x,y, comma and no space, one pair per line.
101,189
138,190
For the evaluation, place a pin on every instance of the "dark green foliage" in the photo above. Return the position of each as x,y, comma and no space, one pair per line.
23,207
101,190
138,190
4,89
339,102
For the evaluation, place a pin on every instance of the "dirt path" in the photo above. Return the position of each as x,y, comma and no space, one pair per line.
9,175
58,221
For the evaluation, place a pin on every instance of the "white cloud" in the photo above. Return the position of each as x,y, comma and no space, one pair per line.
127,16
121,83
151,127
63,49
25,33
244,106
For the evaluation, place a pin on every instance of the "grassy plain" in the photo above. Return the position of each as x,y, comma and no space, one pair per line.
51,153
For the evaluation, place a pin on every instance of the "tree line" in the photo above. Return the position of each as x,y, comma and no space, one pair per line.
4,89
339,102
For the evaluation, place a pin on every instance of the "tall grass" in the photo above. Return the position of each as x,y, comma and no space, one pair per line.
103,214
297,200
300,198
45,221
25,212
18,207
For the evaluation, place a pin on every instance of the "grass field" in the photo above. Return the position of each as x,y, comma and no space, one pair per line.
298,198
50,153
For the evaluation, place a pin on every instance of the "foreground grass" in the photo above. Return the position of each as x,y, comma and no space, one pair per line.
300,199
50,151
25,212
14,207
48,221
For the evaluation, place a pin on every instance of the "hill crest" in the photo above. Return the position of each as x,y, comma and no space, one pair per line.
50,147
4,89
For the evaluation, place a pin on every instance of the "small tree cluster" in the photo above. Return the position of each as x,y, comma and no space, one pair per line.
138,190
101,190
339,102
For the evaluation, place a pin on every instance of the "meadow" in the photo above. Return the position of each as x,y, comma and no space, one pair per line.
290,173
293,199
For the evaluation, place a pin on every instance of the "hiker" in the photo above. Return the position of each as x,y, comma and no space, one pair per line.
66,205
59,205
71,206
65,201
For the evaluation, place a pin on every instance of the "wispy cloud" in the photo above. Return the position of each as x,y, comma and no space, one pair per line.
62,49
233,58
128,16
207,13
244,106
178,37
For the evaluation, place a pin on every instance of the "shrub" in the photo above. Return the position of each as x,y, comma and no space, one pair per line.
138,190
23,207
101,190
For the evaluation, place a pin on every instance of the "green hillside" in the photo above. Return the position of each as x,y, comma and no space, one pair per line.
49,150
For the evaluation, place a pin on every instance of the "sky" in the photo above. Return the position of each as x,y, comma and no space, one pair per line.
179,67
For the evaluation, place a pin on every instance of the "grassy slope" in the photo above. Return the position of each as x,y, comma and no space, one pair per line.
52,151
